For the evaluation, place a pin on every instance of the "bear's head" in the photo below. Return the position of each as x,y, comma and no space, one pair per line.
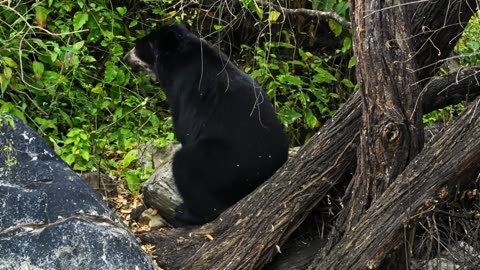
157,51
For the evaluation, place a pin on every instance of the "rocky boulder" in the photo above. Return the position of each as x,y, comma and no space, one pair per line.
50,218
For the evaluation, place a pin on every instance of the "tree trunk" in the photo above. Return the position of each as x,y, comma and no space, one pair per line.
254,229
294,189
247,235
392,130
450,157
390,79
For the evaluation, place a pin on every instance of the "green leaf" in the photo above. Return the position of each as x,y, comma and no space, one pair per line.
79,167
74,132
83,136
80,3
9,61
132,23
85,154
66,118
4,82
347,44
110,72
45,123
155,121
288,116
304,99
290,79
12,109
38,69
69,159
341,8
133,182
53,76
298,63
77,46
130,157
8,73
98,88
41,16
347,83
285,45
335,27
273,15
311,120
253,7
70,141
352,62
121,10
79,19
323,76
53,56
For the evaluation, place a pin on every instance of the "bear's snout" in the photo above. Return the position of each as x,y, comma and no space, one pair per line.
132,59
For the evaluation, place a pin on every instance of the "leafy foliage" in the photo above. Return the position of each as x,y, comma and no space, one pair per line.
468,47
468,55
307,87
303,89
62,72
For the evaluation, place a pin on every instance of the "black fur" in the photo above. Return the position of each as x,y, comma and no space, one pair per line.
231,138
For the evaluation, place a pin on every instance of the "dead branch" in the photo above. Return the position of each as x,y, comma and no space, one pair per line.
323,15
453,154
300,184
454,88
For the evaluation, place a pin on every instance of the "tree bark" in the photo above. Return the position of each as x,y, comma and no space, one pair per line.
450,157
452,89
432,29
292,191
251,232
390,79
392,128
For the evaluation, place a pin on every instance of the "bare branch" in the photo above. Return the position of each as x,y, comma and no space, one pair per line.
307,12
463,85
424,176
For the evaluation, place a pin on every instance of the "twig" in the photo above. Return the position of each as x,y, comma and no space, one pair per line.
31,100
307,12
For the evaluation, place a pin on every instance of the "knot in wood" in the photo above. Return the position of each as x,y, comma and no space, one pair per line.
394,49
391,132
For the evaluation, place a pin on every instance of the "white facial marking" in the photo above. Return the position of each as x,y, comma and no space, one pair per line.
132,59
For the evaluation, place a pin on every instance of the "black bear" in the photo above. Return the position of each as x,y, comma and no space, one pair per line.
231,138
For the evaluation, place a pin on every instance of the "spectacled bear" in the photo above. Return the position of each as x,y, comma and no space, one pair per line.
231,138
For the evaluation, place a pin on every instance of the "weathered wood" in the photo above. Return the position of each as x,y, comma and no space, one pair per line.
439,93
459,86
392,130
432,29
450,156
297,258
390,73
250,233
338,138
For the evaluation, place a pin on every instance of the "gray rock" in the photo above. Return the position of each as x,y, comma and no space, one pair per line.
159,191
152,157
51,219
